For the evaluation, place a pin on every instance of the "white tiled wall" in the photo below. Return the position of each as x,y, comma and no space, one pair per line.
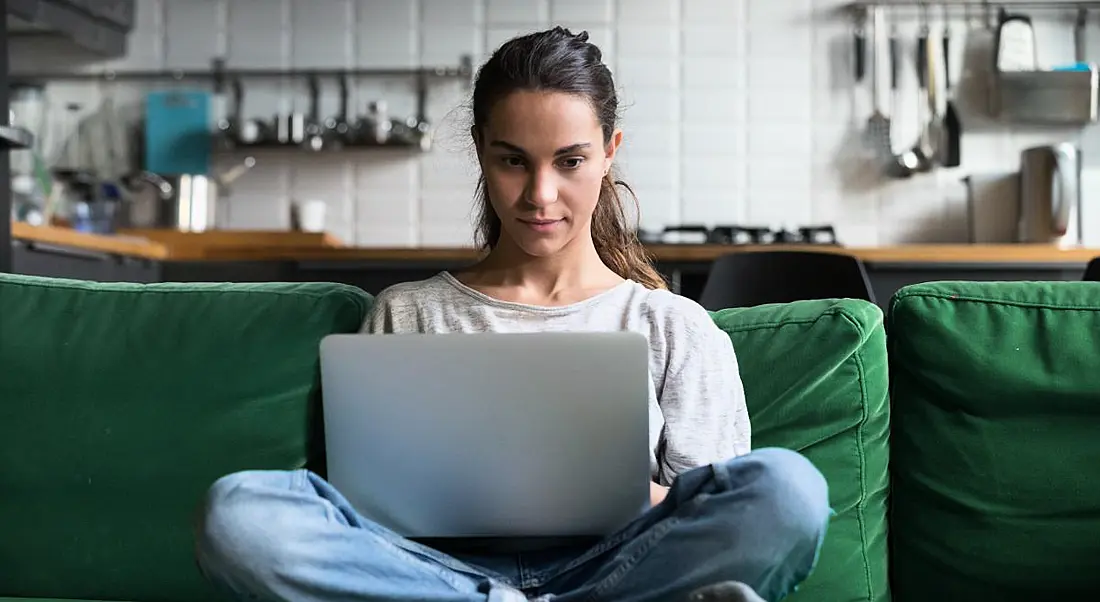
736,111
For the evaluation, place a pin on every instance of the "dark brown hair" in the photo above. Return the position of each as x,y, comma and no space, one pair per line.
560,61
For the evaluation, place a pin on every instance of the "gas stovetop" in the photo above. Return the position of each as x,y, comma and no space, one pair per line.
741,235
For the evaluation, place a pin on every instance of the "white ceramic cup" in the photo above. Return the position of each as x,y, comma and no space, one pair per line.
311,215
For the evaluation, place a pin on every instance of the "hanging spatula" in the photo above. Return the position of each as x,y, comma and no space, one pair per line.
878,124
950,146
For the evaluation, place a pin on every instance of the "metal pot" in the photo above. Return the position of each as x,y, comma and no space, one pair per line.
186,202
1050,195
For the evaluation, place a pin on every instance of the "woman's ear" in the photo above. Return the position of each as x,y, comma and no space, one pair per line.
611,149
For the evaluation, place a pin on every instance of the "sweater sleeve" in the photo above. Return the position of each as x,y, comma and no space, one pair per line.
386,315
378,319
409,307
702,399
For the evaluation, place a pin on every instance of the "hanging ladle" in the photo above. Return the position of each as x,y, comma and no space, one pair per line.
918,158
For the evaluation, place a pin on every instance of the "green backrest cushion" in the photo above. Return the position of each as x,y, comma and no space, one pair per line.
996,441
121,403
815,380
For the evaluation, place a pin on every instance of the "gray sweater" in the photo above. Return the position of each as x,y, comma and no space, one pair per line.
697,410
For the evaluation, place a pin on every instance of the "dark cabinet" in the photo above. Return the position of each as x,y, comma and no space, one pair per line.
99,27
371,276
56,261
67,262
119,13
96,29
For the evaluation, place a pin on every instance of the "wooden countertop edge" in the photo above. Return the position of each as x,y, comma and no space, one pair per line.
700,253
131,246
143,247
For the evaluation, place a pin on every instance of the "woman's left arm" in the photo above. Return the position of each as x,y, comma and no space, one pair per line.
702,400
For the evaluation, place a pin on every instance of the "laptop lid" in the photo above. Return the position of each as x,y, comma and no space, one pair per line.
487,434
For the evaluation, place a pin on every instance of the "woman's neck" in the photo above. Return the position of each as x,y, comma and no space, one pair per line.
568,274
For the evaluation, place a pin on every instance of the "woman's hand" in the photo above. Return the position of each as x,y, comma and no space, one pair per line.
657,493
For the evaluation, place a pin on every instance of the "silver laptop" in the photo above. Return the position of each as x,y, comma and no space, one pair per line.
489,435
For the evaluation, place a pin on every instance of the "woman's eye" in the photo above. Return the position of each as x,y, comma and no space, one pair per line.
512,161
572,162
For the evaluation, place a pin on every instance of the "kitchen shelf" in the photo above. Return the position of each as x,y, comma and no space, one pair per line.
862,6
224,147
222,77
1031,4
219,74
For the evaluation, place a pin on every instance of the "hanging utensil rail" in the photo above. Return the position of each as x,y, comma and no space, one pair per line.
860,6
222,77
220,74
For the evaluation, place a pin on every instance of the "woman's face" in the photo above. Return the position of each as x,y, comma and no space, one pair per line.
544,158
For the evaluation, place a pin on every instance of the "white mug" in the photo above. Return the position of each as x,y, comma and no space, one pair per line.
311,215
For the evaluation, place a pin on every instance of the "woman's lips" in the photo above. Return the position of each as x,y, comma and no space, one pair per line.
542,225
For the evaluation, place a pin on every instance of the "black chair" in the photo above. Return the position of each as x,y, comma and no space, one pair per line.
1092,272
758,277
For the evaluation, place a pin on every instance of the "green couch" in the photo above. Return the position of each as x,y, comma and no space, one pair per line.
969,474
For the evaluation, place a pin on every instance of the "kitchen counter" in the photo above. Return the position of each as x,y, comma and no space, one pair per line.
170,245
265,256
166,245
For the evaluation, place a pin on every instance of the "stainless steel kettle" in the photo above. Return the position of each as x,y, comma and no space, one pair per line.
185,202
1050,195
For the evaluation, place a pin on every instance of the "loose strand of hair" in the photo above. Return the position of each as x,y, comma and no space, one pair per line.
616,243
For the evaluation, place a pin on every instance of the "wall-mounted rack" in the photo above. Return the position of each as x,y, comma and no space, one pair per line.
1030,4
1021,90
862,6
225,80
219,74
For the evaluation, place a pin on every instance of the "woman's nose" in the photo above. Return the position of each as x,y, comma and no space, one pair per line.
542,189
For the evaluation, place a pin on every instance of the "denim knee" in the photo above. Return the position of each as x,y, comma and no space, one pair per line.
793,480
791,498
242,528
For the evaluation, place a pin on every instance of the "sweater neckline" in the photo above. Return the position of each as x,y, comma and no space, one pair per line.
461,287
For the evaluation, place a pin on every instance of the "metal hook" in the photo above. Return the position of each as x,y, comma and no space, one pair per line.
314,97
344,94
859,18
238,97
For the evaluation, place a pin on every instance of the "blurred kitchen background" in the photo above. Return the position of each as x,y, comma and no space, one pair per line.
743,114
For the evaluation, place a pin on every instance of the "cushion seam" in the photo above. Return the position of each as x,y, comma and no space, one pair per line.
833,311
103,287
343,291
861,505
975,299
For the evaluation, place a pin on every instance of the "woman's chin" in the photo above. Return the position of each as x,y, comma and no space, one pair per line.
541,248
540,245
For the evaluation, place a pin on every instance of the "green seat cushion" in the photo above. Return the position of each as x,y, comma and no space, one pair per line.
121,403
815,380
996,441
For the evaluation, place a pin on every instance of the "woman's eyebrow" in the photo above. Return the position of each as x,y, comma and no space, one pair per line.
572,148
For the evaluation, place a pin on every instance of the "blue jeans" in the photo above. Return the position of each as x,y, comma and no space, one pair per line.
757,520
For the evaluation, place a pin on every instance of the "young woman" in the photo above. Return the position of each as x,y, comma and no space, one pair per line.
560,256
